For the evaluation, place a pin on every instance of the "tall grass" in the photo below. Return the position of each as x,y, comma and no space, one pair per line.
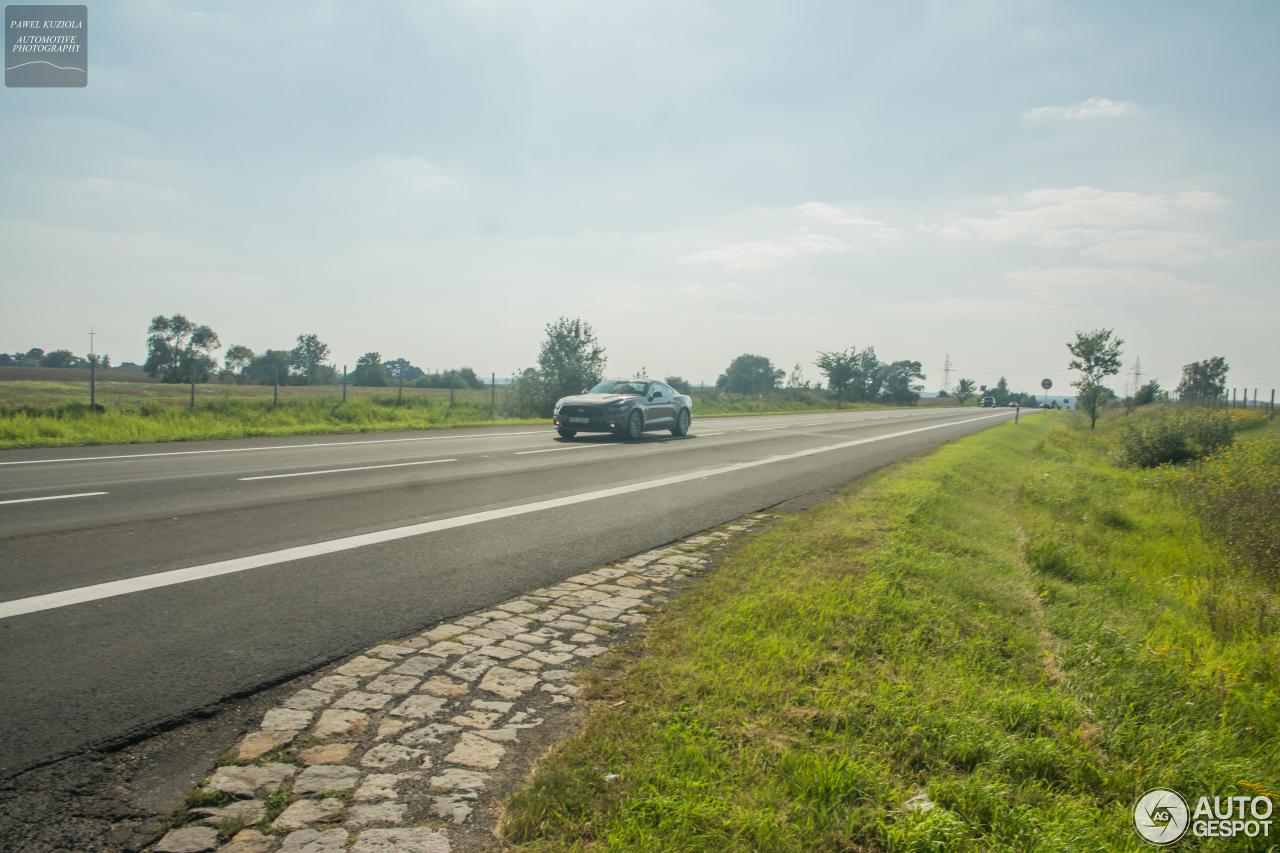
1013,626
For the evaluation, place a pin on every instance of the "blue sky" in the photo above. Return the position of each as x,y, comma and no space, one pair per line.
439,180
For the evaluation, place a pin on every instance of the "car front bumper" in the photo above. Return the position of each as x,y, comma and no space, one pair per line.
594,423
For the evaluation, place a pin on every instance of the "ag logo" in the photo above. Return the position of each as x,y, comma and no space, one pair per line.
1160,816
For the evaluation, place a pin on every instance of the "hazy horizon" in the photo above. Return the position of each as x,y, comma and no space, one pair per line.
438,182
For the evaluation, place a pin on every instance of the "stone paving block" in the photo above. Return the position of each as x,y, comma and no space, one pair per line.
419,665
249,841
419,707
454,809
188,839
432,734
307,700
285,719
440,685
256,781
383,786
470,667
301,813
401,840
443,632
362,667
336,684
248,811
389,756
475,751
329,753
254,745
447,648
375,814
314,841
326,778
507,683
334,723
393,684
359,700
391,651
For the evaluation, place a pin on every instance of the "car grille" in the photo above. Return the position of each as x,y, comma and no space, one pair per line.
579,411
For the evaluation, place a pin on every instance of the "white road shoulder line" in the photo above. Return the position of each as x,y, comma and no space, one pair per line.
343,470
53,498
111,589
454,437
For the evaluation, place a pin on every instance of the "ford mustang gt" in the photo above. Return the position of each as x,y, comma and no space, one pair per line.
626,407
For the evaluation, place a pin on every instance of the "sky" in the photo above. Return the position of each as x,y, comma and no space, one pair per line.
438,181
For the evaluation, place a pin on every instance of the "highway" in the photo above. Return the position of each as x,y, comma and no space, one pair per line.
142,584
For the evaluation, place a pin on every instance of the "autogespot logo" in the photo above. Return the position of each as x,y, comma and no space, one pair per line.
1160,816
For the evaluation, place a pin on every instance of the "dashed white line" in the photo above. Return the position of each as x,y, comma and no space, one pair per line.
273,447
111,589
53,498
556,449
344,470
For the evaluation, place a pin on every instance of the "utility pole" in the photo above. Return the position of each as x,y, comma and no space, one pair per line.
946,374
93,373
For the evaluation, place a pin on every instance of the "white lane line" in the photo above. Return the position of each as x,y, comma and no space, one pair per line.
53,498
765,429
111,589
706,434
274,447
343,470
556,449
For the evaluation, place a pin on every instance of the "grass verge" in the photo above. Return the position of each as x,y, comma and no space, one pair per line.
1012,626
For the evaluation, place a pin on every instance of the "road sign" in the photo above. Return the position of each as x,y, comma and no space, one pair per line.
1046,384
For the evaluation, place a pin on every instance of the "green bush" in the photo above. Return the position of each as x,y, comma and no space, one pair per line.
1169,437
1237,493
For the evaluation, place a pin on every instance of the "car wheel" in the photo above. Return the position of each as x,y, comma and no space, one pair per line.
567,433
635,427
682,423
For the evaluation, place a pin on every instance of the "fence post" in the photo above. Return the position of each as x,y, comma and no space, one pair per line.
1255,398
1273,404
344,383
453,383
400,390
192,404
493,392
93,381
275,386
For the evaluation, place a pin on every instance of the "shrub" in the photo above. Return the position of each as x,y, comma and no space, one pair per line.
1237,494
1171,437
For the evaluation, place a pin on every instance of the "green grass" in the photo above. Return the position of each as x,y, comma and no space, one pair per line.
36,413
1013,625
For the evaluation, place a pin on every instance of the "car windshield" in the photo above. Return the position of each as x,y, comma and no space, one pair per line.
616,386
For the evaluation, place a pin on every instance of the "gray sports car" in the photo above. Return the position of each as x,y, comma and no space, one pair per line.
627,407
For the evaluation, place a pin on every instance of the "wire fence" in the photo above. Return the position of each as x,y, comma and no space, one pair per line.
1230,398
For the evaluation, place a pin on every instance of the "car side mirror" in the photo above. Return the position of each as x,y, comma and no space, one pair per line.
585,390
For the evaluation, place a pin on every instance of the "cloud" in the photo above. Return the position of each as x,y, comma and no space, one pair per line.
1115,226
1084,286
768,237
1096,107
414,174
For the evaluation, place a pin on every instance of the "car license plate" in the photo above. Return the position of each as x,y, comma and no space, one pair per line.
579,420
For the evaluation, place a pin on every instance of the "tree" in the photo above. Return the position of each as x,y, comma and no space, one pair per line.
400,369
178,350
307,357
841,368
1001,392
61,358
237,361
749,374
370,371
797,379
1203,381
679,383
1096,355
897,383
964,390
1148,393
570,360
268,368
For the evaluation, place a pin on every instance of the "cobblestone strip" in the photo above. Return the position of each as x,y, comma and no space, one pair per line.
396,748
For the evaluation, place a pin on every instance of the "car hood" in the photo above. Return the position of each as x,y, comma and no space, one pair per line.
594,399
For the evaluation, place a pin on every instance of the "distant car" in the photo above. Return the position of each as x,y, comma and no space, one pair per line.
1012,404
988,402
1046,405
627,407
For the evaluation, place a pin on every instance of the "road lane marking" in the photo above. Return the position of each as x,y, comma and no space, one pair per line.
141,583
706,434
53,498
273,447
554,449
344,470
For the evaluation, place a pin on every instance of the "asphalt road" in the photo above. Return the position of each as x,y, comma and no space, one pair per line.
145,584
